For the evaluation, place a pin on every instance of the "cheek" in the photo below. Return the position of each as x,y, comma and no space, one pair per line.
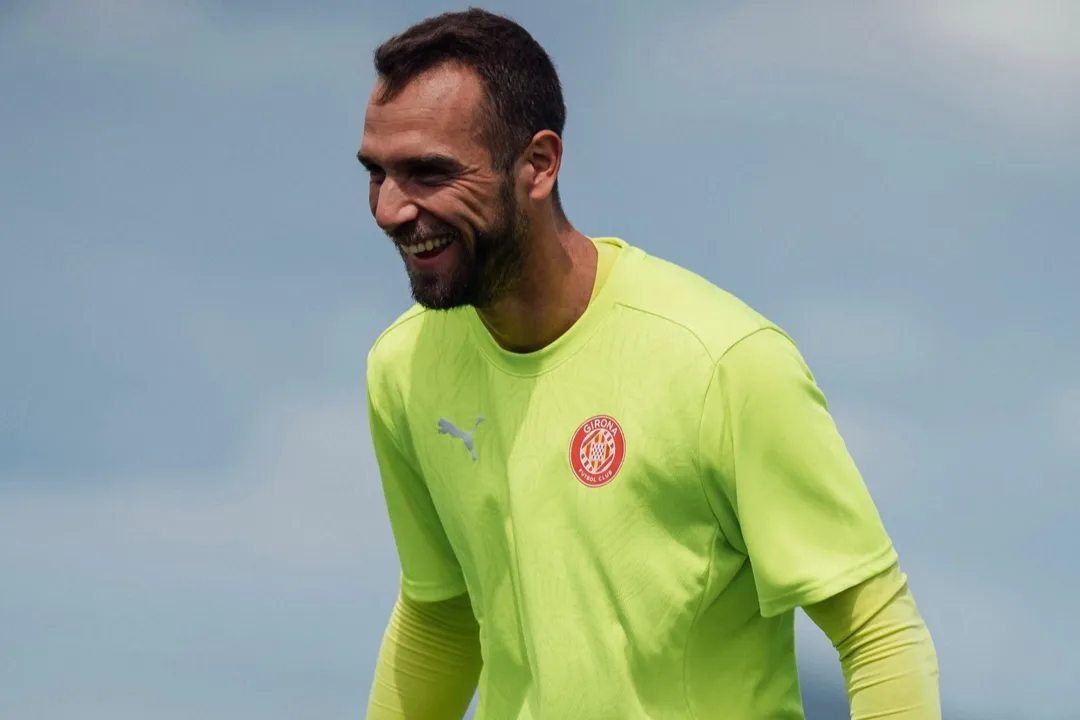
464,211
481,207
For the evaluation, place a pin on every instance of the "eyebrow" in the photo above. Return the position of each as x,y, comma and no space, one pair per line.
366,160
420,164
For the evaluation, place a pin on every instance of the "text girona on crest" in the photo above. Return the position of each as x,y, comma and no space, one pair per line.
597,450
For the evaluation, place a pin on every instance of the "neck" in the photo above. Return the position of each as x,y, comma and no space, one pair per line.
554,291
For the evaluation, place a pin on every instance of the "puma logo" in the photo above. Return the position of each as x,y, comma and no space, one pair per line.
448,428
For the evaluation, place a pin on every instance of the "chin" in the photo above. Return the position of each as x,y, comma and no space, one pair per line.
439,291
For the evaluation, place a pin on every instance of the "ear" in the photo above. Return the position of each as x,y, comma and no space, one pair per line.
540,164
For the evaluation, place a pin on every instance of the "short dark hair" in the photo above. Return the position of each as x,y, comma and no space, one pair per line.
522,88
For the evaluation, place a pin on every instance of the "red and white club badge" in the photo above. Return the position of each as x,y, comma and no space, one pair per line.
597,450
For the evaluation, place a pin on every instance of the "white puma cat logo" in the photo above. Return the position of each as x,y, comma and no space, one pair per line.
448,428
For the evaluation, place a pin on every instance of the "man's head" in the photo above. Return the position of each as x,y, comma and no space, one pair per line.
462,141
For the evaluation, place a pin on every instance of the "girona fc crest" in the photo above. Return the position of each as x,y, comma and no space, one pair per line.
597,450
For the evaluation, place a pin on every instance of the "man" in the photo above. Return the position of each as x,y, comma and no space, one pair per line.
610,483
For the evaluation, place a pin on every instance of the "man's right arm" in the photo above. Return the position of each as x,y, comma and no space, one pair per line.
429,662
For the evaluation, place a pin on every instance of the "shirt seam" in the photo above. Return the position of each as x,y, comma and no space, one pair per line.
718,527
697,616
808,593
676,323
701,426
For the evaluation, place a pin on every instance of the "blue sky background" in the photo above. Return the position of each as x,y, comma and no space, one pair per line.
190,520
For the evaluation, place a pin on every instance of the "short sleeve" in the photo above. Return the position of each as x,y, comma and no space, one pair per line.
429,568
781,480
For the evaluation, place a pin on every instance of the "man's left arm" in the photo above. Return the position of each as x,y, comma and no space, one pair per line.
886,652
787,493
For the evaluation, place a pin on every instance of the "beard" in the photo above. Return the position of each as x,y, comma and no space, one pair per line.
478,278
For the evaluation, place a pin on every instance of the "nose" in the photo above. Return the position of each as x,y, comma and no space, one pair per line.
391,206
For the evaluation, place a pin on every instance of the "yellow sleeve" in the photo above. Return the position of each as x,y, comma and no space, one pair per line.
781,481
429,662
429,567
886,652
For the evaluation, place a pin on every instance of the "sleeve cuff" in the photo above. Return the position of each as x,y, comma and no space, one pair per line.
433,591
819,590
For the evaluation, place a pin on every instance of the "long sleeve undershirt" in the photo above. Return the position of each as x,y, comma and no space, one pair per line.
429,662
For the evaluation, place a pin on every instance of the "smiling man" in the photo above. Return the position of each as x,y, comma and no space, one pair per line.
611,484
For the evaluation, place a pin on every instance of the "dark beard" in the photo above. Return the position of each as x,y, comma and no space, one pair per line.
487,274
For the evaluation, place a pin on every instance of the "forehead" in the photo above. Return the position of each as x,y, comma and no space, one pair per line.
436,112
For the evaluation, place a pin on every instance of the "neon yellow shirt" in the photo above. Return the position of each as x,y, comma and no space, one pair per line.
634,511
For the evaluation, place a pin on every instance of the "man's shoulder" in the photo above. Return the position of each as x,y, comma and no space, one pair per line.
415,344
397,341
414,336
708,314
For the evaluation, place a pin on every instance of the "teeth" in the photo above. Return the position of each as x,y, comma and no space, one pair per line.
426,246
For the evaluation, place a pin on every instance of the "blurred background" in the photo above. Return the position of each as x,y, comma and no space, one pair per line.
190,519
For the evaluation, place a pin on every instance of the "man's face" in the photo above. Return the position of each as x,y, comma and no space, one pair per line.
454,219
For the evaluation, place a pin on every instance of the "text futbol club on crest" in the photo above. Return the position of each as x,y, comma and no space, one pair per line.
597,450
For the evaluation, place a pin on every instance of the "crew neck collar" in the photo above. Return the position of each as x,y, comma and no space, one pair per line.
566,345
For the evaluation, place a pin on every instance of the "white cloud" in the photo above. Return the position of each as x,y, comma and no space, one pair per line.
305,494
1039,38
308,492
1017,61
1016,64
127,592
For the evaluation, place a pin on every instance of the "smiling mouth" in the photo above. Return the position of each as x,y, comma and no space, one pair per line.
427,249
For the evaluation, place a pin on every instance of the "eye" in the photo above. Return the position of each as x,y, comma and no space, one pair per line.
431,178
431,170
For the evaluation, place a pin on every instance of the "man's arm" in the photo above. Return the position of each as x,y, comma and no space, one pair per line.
786,492
429,662
886,652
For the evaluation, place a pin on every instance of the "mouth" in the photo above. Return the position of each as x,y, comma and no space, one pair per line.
427,249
